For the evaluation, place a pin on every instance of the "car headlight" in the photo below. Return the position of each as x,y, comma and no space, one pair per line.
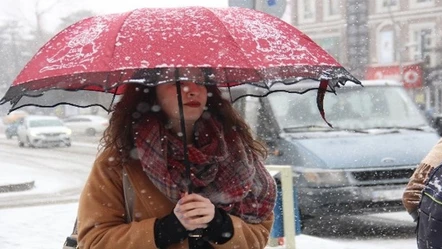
33,133
68,132
325,178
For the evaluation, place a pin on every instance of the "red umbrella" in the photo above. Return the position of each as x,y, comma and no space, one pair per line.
232,46
238,45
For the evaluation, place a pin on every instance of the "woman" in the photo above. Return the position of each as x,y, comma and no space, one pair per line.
233,193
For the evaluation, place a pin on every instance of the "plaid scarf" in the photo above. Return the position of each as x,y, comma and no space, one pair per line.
224,169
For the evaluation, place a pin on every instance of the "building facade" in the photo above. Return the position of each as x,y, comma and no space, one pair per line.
381,39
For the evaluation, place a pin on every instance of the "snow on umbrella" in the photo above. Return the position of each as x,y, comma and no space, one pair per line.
101,53
90,62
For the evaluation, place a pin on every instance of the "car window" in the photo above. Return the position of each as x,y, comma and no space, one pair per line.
97,119
351,108
261,124
247,107
45,122
71,120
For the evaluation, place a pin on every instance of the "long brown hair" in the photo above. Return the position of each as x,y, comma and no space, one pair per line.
137,102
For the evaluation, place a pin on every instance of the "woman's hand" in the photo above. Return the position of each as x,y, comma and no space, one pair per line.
194,211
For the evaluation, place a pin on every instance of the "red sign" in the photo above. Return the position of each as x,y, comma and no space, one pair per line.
411,74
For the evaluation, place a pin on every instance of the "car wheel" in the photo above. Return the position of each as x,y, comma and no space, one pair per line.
304,220
68,144
91,132
29,142
21,144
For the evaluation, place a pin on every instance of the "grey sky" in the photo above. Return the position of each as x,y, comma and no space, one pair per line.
23,9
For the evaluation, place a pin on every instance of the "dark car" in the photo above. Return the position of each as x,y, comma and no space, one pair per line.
11,129
436,121
363,163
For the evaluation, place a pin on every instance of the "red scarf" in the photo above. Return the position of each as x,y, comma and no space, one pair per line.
224,169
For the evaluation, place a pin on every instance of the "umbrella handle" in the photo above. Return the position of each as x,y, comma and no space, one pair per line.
184,137
194,237
197,234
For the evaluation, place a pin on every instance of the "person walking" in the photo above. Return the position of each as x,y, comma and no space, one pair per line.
413,192
233,194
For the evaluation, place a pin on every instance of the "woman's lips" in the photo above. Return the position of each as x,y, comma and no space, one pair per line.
193,104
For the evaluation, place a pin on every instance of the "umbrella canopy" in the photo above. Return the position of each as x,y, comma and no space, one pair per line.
234,46
91,61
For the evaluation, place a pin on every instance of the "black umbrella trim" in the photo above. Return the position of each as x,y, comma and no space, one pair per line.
336,77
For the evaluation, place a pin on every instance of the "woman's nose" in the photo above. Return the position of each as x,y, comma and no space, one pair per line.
191,89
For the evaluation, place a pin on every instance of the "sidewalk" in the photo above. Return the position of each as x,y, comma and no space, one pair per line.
16,178
311,242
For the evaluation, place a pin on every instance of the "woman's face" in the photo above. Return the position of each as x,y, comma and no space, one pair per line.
194,100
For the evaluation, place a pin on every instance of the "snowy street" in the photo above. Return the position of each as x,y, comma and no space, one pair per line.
44,216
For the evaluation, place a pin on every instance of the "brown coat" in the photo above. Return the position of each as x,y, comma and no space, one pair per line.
101,222
413,191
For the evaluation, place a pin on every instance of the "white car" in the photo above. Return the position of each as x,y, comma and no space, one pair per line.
89,125
43,131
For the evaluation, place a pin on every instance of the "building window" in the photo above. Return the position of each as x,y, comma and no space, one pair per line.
385,47
389,3
422,43
387,6
331,45
306,11
332,9
421,3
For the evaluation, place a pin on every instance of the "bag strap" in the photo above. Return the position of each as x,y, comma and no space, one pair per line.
128,200
128,196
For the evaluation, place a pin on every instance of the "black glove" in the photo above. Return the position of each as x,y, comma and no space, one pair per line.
220,229
169,230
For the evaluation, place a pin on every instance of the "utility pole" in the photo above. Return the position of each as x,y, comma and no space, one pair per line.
397,43
425,68
357,36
